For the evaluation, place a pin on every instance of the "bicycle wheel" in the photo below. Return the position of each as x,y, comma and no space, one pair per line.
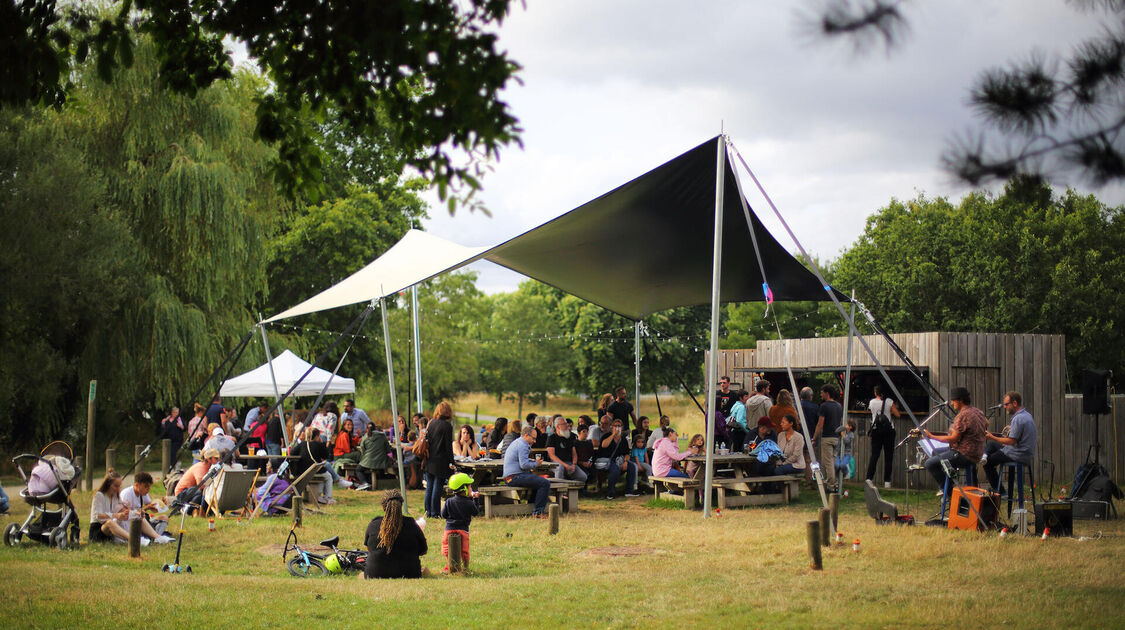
313,568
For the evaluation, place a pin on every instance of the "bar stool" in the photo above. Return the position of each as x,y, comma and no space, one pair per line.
970,478
1015,469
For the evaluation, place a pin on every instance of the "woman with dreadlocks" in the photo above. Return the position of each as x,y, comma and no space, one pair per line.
394,544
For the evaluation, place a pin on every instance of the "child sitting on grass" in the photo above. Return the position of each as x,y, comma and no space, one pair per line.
458,512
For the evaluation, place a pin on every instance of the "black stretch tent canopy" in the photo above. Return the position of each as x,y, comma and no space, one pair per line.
647,246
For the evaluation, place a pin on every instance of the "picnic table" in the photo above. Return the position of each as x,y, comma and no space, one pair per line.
487,471
504,500
735,486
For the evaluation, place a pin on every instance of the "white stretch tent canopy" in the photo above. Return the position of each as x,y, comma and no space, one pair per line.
287,368
416,257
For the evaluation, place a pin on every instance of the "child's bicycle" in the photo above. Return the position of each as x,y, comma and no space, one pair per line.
308,564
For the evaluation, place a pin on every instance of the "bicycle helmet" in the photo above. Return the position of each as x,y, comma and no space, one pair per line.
332,563
459,480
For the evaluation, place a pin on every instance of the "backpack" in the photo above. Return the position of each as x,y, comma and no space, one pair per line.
172,479
882,423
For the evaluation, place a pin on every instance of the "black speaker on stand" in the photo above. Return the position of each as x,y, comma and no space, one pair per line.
1095,401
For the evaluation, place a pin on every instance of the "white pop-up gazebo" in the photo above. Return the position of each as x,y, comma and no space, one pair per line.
287,369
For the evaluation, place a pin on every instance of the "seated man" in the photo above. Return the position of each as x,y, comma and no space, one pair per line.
518,466
219,440
614,455
188,490
965,439
136,499
584,450
374,456
560,450
310,451
1018,446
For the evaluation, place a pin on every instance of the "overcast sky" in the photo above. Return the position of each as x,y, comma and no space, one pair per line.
613,89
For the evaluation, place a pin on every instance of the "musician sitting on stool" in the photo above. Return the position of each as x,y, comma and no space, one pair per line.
965,439
1018,445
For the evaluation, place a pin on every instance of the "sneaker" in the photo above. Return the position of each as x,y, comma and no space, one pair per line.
163,540
886,484
144,541
609,497
323,500
632,494
362,486
330,502
344,483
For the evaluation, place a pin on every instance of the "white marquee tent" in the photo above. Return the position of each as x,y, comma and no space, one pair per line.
287,368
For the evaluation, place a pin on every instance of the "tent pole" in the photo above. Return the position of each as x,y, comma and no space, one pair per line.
394,402
712,363
273,378
847,388
417,351
637,367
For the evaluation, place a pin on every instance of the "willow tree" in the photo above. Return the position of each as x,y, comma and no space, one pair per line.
184,195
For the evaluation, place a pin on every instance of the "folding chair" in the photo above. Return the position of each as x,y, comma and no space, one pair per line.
234,490
298,486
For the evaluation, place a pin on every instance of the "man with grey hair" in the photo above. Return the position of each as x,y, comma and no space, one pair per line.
560,450
518,466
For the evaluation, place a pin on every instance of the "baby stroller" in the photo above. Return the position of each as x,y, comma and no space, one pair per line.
52,479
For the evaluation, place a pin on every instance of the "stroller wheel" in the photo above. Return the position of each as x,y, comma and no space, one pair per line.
57,537
12,535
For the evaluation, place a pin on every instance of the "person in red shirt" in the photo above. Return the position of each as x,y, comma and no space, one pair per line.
965,439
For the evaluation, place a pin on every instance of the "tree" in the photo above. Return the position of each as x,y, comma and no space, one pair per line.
428,69
1041,116
1022,262
150,208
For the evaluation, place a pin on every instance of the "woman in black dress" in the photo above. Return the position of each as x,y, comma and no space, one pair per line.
395,544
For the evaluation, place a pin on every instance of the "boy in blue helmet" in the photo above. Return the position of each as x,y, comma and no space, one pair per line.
458,512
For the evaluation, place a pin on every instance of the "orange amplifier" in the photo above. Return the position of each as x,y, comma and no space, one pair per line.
969,501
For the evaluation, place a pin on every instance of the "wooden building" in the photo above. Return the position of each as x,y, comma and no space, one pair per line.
988,364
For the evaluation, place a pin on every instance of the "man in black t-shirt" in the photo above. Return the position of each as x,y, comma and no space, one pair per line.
725,397
830,415
560,450
621,409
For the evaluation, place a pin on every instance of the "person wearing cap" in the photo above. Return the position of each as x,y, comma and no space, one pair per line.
966,437
219,441
458,511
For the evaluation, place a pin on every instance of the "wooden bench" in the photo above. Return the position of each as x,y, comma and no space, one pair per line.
743,491
516,500
686,486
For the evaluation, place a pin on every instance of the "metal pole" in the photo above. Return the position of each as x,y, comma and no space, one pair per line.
637,366
273,379
712,363
394,404
847,390
417,351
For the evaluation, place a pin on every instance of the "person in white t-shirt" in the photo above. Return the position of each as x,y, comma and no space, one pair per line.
136,499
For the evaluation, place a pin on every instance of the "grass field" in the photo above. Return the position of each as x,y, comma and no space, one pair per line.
747,568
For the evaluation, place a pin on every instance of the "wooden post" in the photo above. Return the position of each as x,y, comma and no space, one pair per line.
165,456
815,560
137,450
89,474
553,518
455,553
110,459
834,507
298,503
825,521
135,538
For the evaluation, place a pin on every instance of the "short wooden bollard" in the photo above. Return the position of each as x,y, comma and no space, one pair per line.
455,553
165,456
815,560
553,511
110,459
135,538
834,507
137,450
824,518
298,509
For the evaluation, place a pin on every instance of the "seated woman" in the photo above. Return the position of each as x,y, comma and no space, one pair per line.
108,515
513,434
346,448
465,448
375,456
499,429
792,446
395,544
219,440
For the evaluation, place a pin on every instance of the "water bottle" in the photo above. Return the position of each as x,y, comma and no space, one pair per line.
722,448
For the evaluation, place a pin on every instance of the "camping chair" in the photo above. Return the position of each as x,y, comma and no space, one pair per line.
298,487
233,491
880,509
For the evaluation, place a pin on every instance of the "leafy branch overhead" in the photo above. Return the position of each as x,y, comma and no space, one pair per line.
428,69
1043,116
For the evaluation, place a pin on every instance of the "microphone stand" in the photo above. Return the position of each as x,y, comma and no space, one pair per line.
933,414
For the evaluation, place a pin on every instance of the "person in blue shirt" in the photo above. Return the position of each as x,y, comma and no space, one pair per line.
1017,446
518,466
738,414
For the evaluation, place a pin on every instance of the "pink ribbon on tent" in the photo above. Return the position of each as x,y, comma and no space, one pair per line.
768,292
